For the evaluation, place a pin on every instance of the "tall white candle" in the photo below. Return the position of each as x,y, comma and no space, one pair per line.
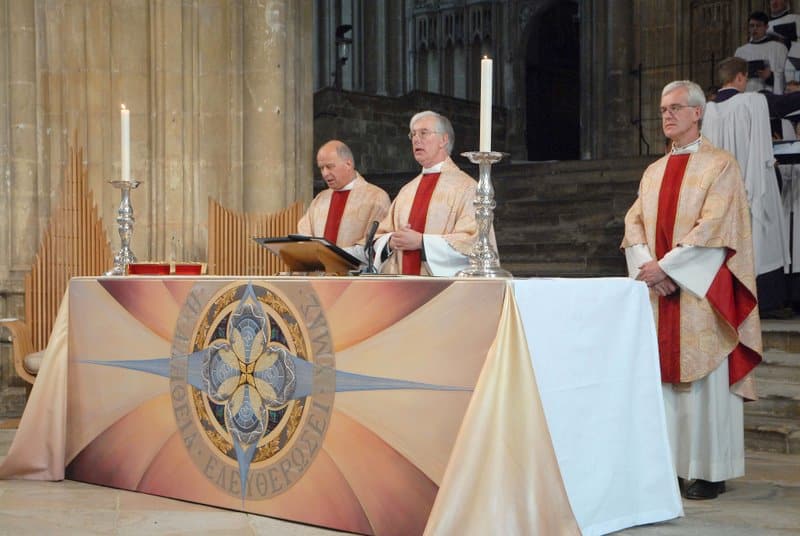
125,151
485,144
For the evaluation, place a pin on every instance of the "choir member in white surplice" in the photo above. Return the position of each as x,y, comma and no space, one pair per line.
740,123
783,23
431,227
763,47
342,213
792,68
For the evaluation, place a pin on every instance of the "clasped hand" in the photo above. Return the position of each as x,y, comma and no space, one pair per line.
406,239
656,278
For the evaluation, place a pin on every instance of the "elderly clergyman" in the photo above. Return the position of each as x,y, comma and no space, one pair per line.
688,237
430,228
343,212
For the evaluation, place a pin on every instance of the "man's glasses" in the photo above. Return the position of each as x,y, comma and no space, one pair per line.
673,109
423,134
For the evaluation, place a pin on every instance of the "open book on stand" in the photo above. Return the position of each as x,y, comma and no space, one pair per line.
310,254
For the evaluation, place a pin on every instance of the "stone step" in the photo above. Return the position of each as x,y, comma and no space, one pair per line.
772,434
783,335
781,366
598,168
774,406
570,233
592,214
538,189
776,398
595,267
769,388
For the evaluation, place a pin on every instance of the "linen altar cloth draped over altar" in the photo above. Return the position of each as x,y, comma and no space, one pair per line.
370,399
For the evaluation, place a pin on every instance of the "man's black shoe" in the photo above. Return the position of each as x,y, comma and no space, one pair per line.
703,489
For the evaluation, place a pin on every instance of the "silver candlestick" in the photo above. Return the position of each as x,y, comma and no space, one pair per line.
483,260
125,221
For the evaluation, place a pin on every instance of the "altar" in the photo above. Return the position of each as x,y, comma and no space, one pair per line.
374,405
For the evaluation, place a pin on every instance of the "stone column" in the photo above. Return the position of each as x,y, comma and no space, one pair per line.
5,147
373,47
276,103
395,70
22,219
179,38
619,82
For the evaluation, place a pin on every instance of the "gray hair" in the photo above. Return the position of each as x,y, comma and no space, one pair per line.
344,152
695,94
444,126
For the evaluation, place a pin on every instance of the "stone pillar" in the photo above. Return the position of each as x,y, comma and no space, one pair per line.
395,70
5,139
276,103
373,47
186,141
21,221
620,134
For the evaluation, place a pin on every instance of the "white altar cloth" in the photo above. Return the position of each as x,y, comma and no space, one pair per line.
595,355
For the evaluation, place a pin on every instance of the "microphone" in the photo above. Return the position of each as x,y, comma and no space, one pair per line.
373,227
369,247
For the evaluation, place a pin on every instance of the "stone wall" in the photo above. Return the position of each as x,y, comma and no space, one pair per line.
220,94
376,128
221,106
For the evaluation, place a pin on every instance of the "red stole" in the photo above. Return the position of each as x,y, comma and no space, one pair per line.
335,211
412,260
727,295
669,307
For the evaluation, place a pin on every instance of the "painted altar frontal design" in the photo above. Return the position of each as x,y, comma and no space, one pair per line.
332,402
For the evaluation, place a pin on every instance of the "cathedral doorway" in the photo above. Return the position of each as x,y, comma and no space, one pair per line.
552,76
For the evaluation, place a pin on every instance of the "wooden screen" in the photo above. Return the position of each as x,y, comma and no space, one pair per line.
74,244
231,249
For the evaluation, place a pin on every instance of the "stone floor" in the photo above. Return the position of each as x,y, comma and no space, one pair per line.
765,502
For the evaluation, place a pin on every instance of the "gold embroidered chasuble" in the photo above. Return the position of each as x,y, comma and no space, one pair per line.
712,212
451,213
366,203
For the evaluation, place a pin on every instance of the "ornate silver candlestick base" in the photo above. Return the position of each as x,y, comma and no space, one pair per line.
125,220
483,260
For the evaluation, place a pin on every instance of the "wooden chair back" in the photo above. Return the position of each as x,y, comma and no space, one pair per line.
231,248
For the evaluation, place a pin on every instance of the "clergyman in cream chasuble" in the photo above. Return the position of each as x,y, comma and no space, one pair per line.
366,203
450,227
712,212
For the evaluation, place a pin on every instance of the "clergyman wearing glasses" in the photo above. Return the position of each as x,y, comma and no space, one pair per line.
430,228
688,236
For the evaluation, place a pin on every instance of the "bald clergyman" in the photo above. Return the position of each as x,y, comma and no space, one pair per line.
343,212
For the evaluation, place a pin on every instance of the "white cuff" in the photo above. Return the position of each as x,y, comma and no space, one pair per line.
381,243
635,256
693,268
441,258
